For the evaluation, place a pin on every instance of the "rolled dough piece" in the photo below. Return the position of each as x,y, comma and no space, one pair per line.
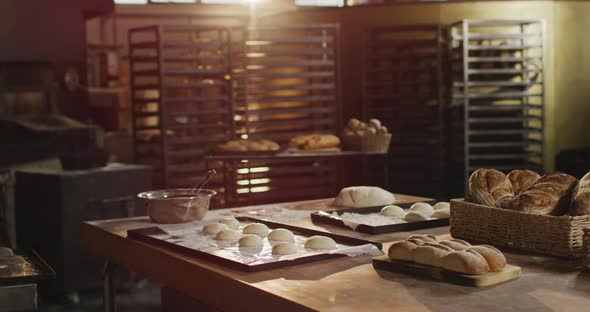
284,249
214,228
393,211
320,242
363,196
441,214
256,228
228,235
414,216
250,240
423,208
281,235
231,223
441,206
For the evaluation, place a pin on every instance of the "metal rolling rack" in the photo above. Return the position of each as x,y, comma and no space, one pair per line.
497,112
285,83
181,98
404,86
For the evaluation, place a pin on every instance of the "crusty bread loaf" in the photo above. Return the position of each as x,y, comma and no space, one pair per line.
430,254
402,250
494,257
549,195
488,187
581,197
456,244
467,262
521,179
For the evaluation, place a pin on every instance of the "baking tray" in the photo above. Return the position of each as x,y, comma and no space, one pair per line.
42,270
324,217
145,236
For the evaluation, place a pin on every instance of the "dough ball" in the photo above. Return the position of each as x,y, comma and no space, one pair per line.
250,240
442,214
256,228
372,131
353,123
375,123
414,216
214,228
441,206
320,242
281,235
228,235
363,196
423,208
284,249
231,223
5,251
382,130
393,211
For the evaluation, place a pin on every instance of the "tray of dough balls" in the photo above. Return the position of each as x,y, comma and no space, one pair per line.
250,244
386,219
454,261
22,267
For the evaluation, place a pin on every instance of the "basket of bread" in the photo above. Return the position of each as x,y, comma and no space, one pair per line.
366,137
523,210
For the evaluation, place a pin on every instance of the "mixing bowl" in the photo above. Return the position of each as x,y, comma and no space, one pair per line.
177,205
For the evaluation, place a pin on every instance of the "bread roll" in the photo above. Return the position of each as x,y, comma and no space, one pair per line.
319,242
441,214
402,250
441,206
581,197
374,123
467,262
549,195
521,179
423,208
494,257
488,186
456,244
415,216
392,211
363,196
430,254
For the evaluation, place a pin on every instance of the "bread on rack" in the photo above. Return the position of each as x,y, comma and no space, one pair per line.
314,141
489,187
363,196
550,195
580,204
521,179
237,146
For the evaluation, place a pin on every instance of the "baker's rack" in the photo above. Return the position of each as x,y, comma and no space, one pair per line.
404,86
498,92
181,98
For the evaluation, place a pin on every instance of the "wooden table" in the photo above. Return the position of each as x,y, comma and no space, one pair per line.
343,284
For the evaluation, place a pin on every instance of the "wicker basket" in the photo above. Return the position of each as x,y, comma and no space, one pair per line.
548,235
378,143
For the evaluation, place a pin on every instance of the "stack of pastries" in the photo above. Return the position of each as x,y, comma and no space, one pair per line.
454,255
554,193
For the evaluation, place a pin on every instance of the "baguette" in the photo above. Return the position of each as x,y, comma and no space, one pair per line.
494,257
467,262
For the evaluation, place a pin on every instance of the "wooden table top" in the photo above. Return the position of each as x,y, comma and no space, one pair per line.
343,284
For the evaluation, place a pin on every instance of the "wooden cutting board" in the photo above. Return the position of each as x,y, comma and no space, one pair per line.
509,273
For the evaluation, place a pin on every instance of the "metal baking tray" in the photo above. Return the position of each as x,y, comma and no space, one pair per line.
325,217
40,270
146,235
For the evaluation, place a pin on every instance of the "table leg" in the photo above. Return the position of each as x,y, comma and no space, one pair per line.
109,292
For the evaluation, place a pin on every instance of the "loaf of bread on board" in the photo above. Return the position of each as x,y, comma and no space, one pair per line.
467,262
550,195
489,187
494,257
521,179
402,250
430,254
581,197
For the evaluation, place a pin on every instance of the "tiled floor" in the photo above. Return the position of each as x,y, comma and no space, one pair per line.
144,297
